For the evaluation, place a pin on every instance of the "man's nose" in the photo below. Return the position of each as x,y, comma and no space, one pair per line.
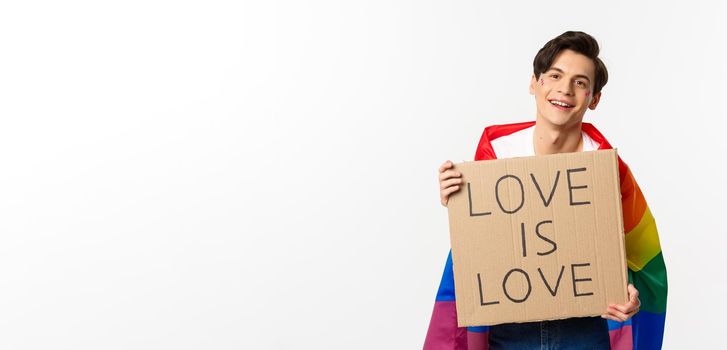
565,87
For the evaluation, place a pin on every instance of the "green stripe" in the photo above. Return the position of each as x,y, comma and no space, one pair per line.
650,281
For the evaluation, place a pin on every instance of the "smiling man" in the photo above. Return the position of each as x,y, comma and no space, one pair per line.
567,80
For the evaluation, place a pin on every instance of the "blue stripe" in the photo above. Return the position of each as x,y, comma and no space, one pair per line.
616,325
648,330
480,329
446,286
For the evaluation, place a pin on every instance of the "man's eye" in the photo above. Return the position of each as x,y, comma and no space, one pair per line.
554,76
580,83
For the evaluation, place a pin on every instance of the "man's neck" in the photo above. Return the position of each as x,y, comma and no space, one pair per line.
551,139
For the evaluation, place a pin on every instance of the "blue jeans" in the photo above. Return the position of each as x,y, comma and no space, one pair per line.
572,333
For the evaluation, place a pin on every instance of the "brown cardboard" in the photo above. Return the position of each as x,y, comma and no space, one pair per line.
582,221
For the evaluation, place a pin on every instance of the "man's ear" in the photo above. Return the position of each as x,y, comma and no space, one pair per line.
533,81
594,101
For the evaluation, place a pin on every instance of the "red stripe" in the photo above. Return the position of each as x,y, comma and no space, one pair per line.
484,148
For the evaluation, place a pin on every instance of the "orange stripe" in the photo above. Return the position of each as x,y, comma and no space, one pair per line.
632,201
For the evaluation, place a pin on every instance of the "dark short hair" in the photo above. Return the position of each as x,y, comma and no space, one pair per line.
579,42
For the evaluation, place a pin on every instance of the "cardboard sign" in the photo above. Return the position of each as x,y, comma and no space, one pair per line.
537,238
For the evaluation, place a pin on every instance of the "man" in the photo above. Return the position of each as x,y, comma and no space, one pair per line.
567,80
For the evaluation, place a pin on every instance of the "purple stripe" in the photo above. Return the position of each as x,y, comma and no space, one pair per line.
443,332
621,338
478,340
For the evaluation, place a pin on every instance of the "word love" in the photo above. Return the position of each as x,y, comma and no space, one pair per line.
552,286
506,180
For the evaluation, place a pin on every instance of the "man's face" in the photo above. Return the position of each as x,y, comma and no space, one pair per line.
565,90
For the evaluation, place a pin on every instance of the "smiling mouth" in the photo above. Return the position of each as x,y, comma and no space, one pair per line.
561,105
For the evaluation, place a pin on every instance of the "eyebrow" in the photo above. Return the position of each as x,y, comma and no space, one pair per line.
562,72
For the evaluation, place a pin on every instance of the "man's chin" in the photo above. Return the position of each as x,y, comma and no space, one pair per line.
563,120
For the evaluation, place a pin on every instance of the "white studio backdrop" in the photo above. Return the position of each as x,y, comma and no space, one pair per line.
262,174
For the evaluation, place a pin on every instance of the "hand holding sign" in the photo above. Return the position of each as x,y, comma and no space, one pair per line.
622,312
449,181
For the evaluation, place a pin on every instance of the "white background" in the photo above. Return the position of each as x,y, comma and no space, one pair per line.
262,174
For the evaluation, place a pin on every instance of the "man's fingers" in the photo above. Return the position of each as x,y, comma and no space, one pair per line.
634,302
630,308
448,174
612,318
625,308
450,182
633,293
614,312
622,312
446,165
446,192
633,312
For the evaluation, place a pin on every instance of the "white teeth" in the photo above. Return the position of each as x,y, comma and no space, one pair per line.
560,103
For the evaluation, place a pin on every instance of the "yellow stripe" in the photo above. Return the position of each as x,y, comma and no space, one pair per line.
642,242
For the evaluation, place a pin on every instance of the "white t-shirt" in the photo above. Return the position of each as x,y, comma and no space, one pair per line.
520,144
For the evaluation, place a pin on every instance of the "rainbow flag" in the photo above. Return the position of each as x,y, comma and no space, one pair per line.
643,254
